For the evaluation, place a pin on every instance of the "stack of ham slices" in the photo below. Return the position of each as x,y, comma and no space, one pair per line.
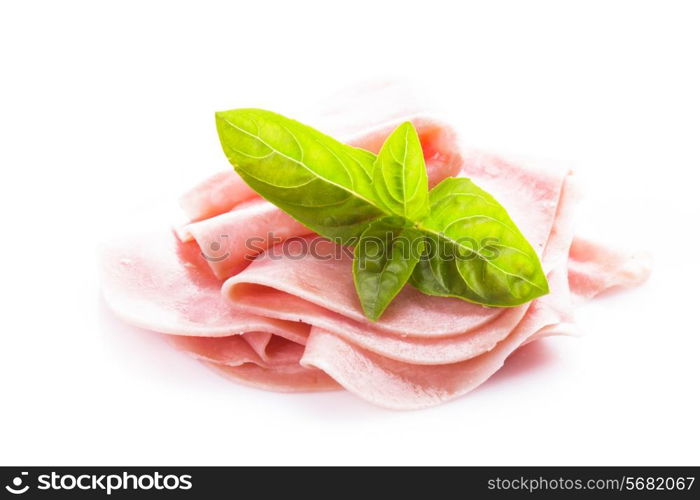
239,288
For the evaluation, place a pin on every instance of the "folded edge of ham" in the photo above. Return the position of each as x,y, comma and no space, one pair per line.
595,268
154,281
288,378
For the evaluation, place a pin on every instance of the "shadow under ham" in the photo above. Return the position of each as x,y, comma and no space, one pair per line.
526,360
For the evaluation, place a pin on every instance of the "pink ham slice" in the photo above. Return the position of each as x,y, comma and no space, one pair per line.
157,282
287,378
215,195
236,350
322,280
154,281
259,359
232,240
594,268
463,345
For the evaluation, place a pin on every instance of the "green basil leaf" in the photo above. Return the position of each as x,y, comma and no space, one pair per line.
324,184
385,256
400,177
474,250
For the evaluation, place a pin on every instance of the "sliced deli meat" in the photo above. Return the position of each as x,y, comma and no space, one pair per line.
259,298
156,282
418,350
232,240
595,268
216,195
286,378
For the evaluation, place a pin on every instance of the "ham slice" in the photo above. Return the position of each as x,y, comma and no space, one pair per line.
259,359
216,195
156,282
292,322
462,345
261,348
230,241
287,378
594,268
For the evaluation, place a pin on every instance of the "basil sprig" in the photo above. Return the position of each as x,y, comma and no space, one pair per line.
454,241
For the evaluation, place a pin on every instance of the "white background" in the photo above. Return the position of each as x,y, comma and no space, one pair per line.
105,107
